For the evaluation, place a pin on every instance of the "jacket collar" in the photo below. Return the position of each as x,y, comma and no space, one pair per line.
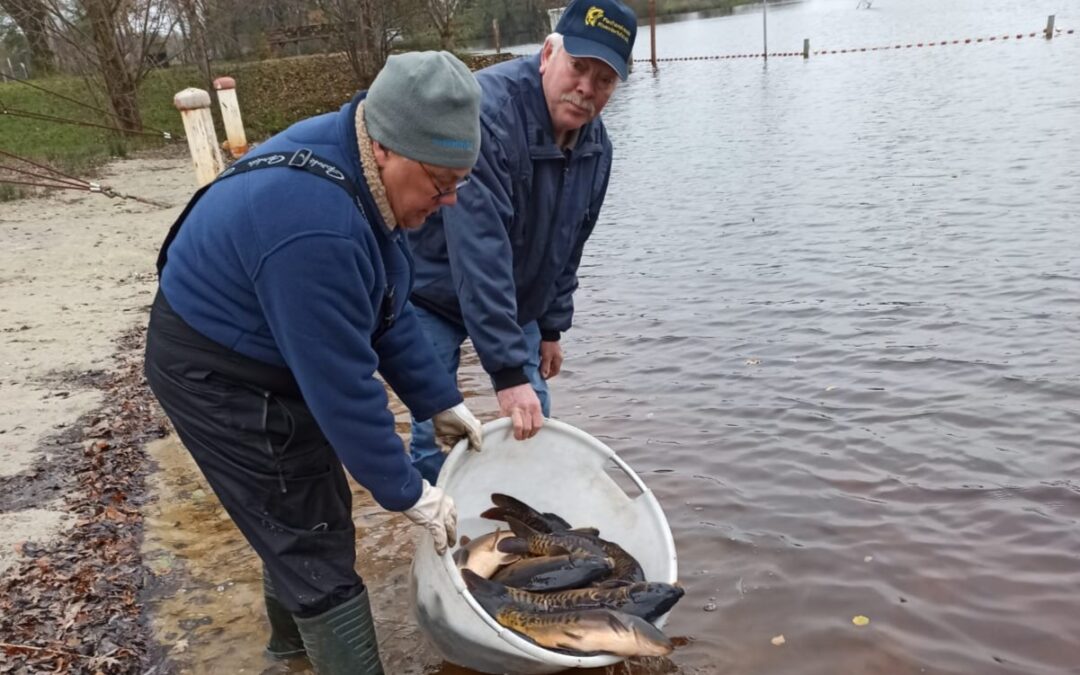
371,169
347,127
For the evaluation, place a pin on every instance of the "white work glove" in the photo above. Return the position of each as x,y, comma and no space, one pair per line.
436,512
456,423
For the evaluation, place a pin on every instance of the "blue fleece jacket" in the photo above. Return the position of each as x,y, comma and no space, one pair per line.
280,265
507,254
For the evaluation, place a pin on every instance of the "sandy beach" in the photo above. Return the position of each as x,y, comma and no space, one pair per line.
76,271
76,280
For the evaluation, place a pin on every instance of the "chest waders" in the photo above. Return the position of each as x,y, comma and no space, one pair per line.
253,437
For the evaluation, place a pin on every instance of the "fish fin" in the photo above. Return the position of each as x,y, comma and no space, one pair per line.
494,513
584,531
508,502
478,584
464,541
642,629
495,541
616,622
522,511
513,545
558,521
558,550
612,583
579,653
519,528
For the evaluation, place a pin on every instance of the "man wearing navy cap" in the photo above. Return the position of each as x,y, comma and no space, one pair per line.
500,267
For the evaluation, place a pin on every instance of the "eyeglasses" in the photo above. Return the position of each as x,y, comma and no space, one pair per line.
440,192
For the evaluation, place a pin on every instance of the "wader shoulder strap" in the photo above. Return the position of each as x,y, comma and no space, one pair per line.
302,159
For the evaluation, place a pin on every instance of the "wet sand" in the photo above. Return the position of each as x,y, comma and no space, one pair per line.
76,272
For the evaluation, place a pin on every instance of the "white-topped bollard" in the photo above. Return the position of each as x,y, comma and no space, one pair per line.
230,113
194,107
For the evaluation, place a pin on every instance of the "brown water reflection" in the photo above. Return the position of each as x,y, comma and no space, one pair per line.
830,317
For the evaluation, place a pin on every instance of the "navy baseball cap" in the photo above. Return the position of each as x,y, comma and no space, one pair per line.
599,29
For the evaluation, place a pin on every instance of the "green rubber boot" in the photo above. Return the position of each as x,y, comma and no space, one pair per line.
342,640
285,641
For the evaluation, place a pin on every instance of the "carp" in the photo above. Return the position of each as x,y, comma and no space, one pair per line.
555,573
531,541
649,601
482,556
507,506
585,632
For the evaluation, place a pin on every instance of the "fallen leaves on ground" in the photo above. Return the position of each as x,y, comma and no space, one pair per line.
73,604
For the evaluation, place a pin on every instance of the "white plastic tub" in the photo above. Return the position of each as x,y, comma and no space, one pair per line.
562,470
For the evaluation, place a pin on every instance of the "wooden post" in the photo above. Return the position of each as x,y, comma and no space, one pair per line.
1050,27
806,48
230,114
495,29
652,32
194,107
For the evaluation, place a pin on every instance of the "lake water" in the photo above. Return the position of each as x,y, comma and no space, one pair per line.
831,314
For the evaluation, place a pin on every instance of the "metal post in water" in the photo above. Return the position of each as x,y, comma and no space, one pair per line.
1050,27
652,32
765,28
495,29
806,48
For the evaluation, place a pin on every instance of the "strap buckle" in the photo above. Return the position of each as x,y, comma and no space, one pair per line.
300,158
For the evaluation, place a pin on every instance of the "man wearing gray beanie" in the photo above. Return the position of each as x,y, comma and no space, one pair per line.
284,288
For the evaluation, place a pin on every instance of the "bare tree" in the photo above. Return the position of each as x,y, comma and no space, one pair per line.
32,18
113,39
366,30
442,12
193,16
351,30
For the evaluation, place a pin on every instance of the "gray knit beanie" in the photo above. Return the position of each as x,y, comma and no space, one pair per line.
426,106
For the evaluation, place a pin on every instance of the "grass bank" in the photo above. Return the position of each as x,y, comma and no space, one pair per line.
272,94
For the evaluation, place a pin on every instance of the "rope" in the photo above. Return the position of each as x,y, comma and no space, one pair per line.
56,94
824,52
43,167
80,184
59,186
78,102
15,112
65,182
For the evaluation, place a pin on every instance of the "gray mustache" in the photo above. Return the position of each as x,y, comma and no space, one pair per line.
578,101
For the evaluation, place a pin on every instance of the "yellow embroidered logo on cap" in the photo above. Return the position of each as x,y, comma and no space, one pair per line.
595,18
